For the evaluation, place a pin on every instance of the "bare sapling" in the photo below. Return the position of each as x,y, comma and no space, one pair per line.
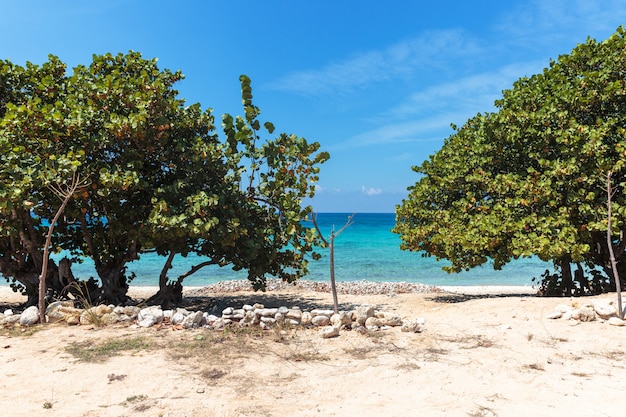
331,245
609,241
64,193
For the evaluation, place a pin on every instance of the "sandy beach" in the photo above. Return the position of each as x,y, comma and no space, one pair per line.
483,351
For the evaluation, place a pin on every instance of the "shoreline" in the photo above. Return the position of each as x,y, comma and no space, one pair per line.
7,295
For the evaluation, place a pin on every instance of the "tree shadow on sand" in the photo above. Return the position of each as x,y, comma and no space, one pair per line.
453,298
215,305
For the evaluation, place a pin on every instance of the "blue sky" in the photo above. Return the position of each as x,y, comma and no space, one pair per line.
376,83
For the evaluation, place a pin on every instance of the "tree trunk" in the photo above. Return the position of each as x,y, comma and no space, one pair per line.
333,286
114,286
171,295
566,276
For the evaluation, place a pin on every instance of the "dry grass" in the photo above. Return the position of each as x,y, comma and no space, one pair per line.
482,412
535,367
308,356
20,331
100,352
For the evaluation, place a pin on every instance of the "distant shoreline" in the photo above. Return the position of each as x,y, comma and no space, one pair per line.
343,287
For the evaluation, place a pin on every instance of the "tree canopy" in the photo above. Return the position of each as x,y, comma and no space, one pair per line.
158,178
529,179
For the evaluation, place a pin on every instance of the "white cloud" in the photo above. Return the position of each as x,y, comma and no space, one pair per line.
545,23
371,191
398,60
426,115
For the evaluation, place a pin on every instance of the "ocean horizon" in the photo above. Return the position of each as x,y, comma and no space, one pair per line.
366,250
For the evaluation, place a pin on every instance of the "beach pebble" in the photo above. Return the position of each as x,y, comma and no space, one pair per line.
266,312
372,322
329,331
152,311
362,313
554,315
341,319
147,321
586,314
604,309
389,319
193,320
322,312
616,321
29,316
320,320
294,314
306,318
177,318
412,326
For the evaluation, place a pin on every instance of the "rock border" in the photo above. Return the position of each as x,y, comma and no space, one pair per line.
363,319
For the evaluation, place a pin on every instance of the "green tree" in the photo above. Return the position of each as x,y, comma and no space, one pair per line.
159,177
257,224
528,179
33,156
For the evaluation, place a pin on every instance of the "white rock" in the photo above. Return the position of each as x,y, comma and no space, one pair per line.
177,318
220,323
295,314
604,309
341,319
227,311
329,331
586,314
210,318
29,316
322,312
15,318
320,320
413,326
266,312
554,315
193,320
306,318
152,311
268,320
616,321
390,319
147,321
372,322
362,313
8,312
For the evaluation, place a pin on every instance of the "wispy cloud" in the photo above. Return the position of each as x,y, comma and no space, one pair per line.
426,115
371,191
478,91
541,23
402,59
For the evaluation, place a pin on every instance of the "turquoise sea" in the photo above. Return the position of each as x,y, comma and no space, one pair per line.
366,250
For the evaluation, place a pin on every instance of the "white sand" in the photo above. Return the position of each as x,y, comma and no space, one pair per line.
478,356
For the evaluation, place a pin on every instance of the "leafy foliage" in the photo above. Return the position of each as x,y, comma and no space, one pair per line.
528,179
158,177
